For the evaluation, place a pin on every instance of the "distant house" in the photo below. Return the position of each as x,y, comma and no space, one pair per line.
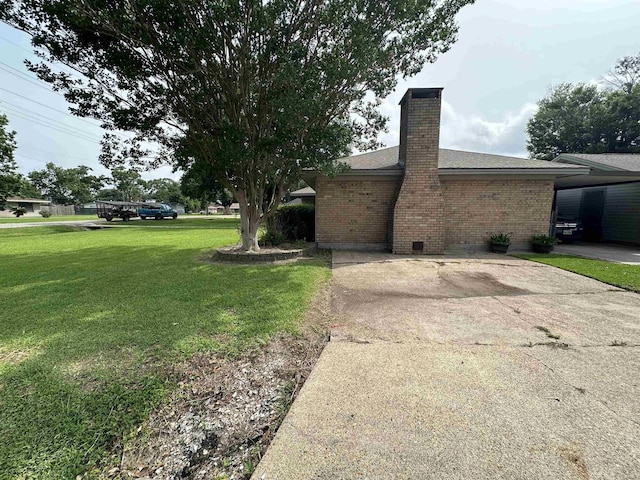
607,201
304,195
31,205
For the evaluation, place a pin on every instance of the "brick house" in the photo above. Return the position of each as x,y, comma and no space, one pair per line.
418,198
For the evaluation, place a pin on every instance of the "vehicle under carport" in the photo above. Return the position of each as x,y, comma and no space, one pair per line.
605,203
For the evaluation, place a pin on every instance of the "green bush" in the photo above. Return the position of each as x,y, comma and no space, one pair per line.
290,223
45,213
543,240
501,239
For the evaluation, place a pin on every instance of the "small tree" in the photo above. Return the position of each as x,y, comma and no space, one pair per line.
18,211
10,180
258,89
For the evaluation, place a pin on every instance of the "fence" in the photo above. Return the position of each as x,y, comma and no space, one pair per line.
56,210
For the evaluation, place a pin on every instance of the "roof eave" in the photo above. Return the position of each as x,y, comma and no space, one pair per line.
556,172
392,172
574,160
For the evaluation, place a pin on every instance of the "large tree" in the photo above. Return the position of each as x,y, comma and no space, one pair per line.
164,190
583,118
10,180
258,89
129,184
67,186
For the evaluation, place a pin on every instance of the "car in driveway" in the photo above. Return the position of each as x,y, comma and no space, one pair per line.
568,230
157,211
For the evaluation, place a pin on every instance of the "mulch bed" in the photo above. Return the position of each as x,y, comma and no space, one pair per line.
283,252
225,412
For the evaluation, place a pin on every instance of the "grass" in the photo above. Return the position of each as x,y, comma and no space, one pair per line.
619,275
58,218
92,322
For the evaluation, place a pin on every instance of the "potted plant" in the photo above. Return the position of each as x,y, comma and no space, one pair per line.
543,243
500,242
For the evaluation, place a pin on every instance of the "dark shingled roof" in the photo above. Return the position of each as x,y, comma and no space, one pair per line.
387,159
629,162
384,159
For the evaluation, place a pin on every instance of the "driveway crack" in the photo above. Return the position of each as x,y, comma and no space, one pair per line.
582,390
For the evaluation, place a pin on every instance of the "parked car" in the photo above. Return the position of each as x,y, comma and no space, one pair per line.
568,230
157,211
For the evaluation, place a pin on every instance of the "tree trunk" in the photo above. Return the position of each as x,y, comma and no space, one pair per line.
250,222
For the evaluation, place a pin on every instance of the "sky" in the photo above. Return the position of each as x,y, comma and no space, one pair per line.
508,54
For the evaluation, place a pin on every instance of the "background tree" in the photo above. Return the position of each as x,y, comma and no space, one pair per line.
260,90
564,121
129,184
9,177
200,182
584,118
26,189
67,186
164,190
625,74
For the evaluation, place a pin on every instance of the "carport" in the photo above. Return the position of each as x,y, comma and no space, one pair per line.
606,201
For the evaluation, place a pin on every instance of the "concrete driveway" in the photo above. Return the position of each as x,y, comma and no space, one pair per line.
467,368
626,254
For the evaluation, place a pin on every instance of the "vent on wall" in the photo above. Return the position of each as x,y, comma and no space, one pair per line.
418,246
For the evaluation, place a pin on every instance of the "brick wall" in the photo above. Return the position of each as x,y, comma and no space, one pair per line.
352,212
418,213
474,209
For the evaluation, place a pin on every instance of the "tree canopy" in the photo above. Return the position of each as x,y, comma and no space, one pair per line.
67,186
10,180
258,89
583,118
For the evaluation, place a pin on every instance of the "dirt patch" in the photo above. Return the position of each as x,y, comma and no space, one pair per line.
573,455
222,417
478,284
14,357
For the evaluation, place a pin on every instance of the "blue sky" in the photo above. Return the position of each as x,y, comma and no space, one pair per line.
507,56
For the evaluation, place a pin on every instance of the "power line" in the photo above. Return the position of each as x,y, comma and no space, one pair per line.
39,116
47,106
60,65
15,44
64,155
29,157
120,134
54,127
36,117
25,77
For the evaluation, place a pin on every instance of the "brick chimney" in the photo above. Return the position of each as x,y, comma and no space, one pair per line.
418,217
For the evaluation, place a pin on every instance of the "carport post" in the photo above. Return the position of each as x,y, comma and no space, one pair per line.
554,214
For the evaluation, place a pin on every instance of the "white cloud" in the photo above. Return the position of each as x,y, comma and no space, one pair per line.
505,136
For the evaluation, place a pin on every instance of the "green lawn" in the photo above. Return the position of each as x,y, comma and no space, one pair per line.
60,218
623,276
92,321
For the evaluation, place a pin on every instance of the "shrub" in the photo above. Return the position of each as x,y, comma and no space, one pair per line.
543,240
501,239
289,224
45,213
